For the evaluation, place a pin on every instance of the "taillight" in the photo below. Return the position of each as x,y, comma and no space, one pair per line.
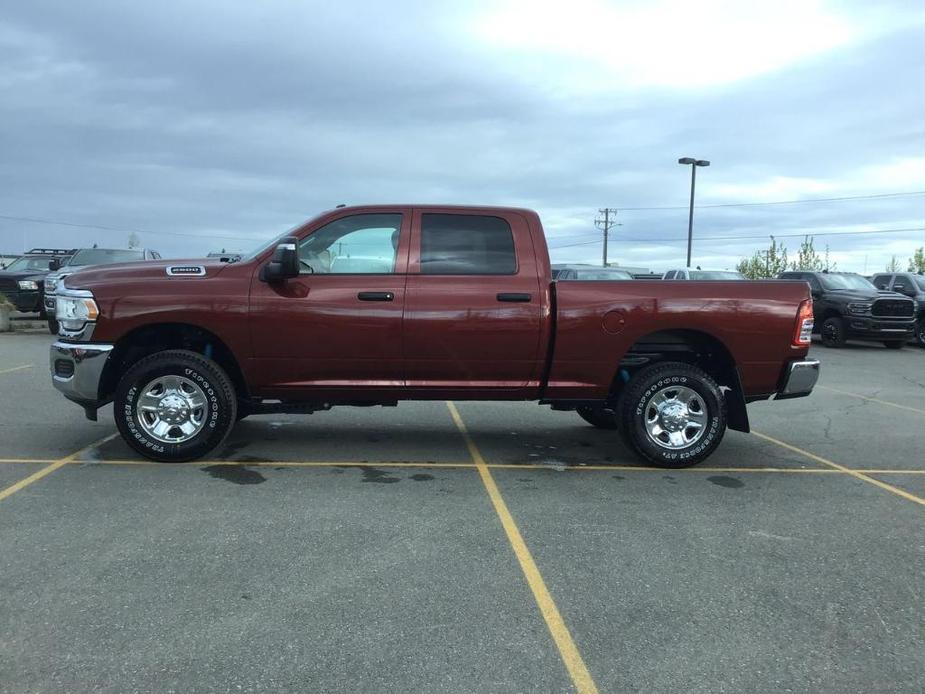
803,331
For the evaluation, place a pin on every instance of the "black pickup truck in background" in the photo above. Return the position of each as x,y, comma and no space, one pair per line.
22,281
908,284
847,306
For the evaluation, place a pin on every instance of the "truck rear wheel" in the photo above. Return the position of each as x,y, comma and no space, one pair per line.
672,414
175,406
601,417
920,332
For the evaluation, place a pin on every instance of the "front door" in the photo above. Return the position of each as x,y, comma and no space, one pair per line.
473,307
337,327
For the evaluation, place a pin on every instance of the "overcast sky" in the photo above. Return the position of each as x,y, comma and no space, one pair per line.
216,124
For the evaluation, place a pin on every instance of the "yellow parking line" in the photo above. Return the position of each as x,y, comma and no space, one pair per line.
457,466
854,473
61,462
560,633
876,400
15,368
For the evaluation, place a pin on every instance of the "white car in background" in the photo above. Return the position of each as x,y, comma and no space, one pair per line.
698,274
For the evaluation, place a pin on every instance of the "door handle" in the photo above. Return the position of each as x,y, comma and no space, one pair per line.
514,297
375,296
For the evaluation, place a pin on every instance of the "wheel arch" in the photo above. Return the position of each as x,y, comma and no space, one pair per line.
158,337
694,347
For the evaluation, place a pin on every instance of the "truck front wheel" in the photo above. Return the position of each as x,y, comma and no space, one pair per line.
672,414
175,406
833,332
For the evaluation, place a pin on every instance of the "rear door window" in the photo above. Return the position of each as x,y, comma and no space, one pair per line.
463,244
882,281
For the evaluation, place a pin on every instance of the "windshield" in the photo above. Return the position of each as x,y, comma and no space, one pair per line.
603,274
38,264
832,281
267,245
104,256
715,275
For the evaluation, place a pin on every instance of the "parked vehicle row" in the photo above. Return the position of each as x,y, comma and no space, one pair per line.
912,286
848,307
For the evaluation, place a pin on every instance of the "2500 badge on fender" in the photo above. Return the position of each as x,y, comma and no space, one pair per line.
370,305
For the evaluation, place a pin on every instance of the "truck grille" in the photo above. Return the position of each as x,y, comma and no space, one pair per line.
893,307
7,285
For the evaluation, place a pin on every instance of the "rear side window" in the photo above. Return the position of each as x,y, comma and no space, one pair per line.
462,244
882,281
670,275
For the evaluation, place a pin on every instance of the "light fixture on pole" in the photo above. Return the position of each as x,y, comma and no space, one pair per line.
694,163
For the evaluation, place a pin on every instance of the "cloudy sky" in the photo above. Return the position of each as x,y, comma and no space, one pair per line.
213,124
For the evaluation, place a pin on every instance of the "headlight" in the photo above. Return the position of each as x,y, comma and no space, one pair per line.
28,285
859,308
75,308
50,284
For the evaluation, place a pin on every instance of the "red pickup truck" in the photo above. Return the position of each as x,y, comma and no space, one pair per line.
375,304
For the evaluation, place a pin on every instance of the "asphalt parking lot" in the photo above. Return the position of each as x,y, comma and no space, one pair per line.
468,547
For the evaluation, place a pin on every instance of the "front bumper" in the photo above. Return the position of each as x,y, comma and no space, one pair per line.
76,369
27,301
799,379
866,328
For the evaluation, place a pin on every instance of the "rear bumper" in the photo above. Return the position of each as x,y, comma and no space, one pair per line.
799,379
76,369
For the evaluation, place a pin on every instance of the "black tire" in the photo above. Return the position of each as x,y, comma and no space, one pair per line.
600,417
52,326
219,412
636,406
894,344
833,332
920,333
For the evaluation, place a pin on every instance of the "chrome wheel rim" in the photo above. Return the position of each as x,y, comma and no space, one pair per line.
171,409
675,417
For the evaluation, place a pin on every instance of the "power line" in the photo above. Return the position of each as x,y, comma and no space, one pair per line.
779,202
764,236
38,220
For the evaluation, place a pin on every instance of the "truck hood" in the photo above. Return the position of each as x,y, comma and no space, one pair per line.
87,277
864,294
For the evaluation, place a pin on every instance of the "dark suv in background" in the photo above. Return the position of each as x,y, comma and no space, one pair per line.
847,306
85,257
23,279
908,284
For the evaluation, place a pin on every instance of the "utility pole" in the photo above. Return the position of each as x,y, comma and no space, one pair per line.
609,221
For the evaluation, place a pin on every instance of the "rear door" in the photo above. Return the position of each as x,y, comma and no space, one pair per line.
473,308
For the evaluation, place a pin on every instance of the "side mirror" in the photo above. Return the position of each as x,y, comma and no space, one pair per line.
54,264
285,262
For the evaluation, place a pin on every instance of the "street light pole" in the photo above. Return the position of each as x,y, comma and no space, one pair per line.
694,163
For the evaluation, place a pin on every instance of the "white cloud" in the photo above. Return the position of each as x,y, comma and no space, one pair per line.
666,43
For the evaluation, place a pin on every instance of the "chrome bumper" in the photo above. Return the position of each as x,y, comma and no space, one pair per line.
799,379
76,369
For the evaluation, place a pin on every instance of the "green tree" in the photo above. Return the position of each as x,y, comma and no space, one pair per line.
808,258
893,265
133,240
765,264
917,261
